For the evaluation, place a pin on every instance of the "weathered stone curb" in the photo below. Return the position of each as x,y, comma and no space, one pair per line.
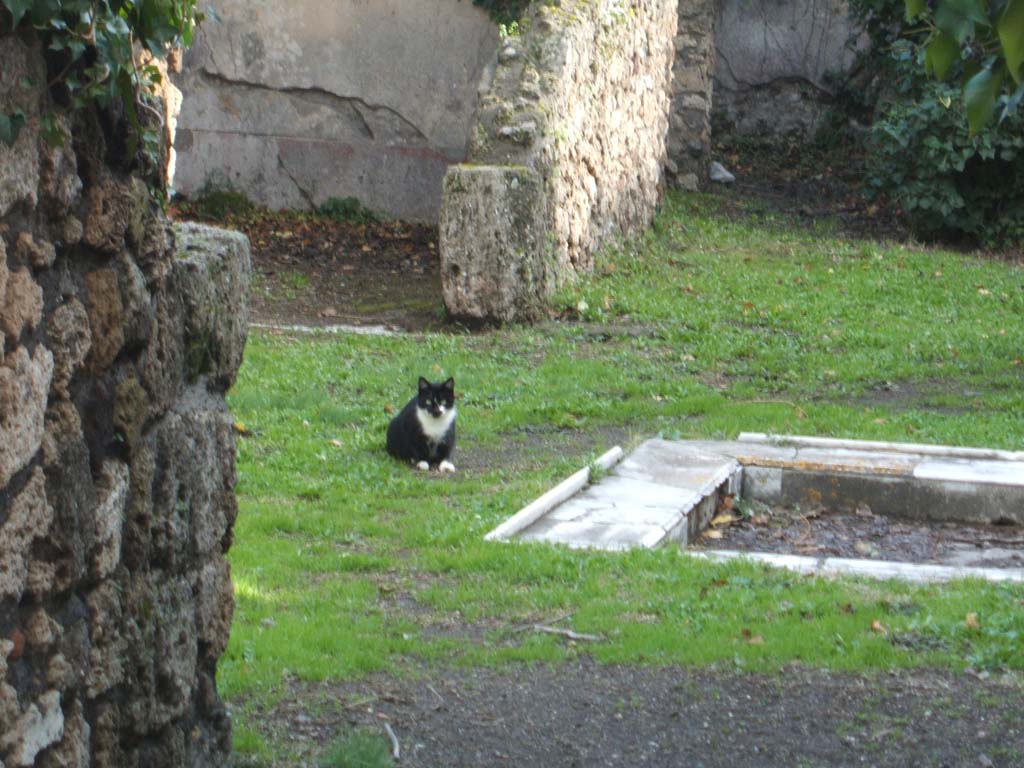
875,569
920,449
355,330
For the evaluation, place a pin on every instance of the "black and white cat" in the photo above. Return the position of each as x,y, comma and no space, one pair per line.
424,431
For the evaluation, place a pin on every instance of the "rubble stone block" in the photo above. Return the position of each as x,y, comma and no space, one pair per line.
214,269
23,306
493,261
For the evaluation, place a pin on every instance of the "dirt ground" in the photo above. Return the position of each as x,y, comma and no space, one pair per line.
587,714
824,532
314,272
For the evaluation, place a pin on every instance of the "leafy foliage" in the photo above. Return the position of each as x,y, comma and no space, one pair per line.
347,209
504,11
975,44
982,43
951,180
91,48
218,204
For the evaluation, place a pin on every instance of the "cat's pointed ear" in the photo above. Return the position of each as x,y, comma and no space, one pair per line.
449,385
424,384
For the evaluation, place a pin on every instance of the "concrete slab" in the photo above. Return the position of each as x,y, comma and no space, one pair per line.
668,491
972,471
760,454
858,462
678,464
588,534
625,500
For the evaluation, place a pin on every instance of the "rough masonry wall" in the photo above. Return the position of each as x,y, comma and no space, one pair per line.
297,101
118,338
571,137
689,133
773,62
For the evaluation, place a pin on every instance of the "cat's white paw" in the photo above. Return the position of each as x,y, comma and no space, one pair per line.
445,466
422,465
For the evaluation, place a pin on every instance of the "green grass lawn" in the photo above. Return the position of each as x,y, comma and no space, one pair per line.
346,562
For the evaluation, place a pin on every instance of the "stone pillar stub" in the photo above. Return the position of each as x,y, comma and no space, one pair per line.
496,272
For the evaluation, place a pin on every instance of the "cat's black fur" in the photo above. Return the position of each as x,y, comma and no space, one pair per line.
425,429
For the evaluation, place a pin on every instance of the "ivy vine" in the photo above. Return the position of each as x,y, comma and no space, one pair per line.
94,50
503,11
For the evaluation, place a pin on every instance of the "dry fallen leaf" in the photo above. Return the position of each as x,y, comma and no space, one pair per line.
863,510
879,628
389,409
336,443
971,622
751,638
760,519
709,534
723,519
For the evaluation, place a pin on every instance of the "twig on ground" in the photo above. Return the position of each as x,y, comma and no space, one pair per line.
361,703
529,627
434,691
396,750
566,633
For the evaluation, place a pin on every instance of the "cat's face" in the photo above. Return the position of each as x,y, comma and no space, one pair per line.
436,399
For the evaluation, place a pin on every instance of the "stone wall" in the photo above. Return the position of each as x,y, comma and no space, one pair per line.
689,133
568,150
773,61
297,101
118,338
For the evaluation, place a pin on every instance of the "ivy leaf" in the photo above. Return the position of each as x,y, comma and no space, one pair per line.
1012,103
914,8
18,9
958,17
980,95
10,126
1011,34
940,54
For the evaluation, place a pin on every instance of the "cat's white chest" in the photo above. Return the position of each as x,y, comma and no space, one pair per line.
435,427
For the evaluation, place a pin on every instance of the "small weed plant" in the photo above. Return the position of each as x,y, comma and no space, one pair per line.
219,204
347,209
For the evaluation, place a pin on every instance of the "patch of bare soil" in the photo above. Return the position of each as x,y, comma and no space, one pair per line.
587,714
824,532
315,271
808,183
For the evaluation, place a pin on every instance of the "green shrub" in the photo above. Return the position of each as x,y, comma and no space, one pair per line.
218,203
347,209
91,53
950,184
